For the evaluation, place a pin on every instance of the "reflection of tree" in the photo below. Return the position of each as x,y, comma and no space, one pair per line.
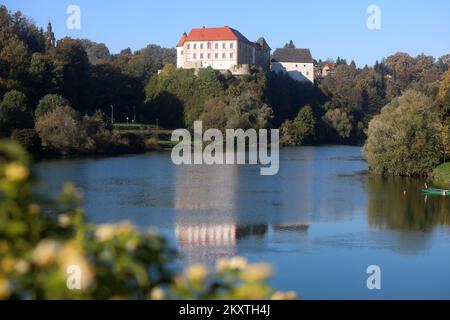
388,208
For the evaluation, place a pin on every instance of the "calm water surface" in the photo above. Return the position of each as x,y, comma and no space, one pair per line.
321,221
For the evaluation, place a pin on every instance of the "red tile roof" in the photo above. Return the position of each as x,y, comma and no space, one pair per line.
213,34
182,40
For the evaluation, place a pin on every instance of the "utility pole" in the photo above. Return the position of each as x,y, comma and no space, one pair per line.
112,114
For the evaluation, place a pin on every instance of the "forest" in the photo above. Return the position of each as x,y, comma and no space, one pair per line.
49,88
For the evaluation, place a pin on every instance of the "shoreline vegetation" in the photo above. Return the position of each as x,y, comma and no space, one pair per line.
442,174
62,98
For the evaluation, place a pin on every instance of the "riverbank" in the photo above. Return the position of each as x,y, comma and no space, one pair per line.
442,174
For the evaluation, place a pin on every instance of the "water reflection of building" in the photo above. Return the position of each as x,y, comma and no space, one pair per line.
202,187
207,223
221,207
206,235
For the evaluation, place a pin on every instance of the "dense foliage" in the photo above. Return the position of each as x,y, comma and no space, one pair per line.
37,77
404,139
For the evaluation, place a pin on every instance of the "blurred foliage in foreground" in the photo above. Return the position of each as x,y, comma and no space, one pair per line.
41,240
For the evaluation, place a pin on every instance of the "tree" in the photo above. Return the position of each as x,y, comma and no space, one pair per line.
215,114
247,111
61,131
301,130
96,52
13,113
76,84
444,90
49,103
27,138
340,121
405,138
289,45
14,60
240,112
45,75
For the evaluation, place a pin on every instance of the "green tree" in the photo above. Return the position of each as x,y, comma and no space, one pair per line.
49,103
45,75
301,130
444,90
14,60
289,45
247,111
340,121
405,138
96,52
76,76
241,112
13,113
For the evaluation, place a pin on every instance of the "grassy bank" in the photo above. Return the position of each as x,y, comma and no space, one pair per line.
442,174
155,137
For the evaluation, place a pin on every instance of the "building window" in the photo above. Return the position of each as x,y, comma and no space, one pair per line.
216,56
231,55
188,46
304,65
209,45
296,65
201,45
231,45
201,55
307,73
216,46
194,56
224,45
209,55
181,52
223,55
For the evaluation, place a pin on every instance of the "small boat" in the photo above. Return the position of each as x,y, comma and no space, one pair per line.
437,192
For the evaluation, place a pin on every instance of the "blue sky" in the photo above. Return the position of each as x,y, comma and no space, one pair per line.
328,28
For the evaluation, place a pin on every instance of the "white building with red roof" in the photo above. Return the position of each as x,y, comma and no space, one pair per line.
222,48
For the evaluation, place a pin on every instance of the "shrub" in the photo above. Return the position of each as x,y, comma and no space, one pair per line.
151,143
131,142
99,129
28,138
61,130
49,103
405,138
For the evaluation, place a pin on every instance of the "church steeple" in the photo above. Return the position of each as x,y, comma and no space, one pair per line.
50,40
49,26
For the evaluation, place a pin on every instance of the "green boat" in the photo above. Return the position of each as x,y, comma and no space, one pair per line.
437,192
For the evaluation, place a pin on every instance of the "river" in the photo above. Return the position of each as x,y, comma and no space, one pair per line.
320,222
